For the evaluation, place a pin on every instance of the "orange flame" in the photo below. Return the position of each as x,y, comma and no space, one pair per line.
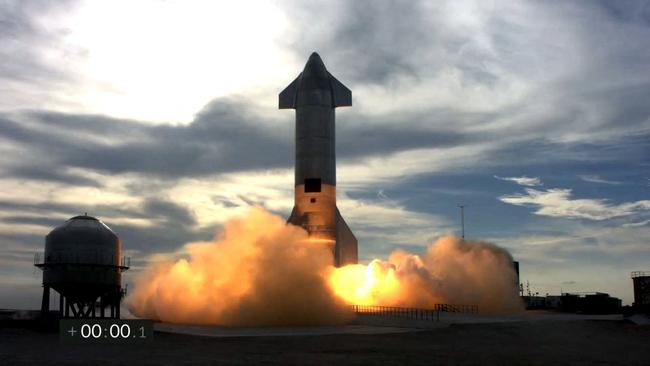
363,285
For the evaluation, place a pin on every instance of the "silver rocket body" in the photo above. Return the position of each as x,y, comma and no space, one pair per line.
314,94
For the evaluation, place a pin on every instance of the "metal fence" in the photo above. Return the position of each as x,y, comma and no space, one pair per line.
415,313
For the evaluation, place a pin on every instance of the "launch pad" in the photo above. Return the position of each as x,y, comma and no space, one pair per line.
516,342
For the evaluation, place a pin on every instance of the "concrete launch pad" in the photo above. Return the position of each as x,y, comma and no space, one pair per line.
557,342
373,324
221,332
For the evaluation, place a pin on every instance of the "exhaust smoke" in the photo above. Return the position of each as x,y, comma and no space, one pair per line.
453,271
261,271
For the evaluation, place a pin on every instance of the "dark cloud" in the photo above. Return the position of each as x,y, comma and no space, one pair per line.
225,201
27,241
227,136
250,202
224,137
368,41
381,40
627,10
160,238
550,158
70,209
172,225
171,212
365,43
231,135
52,174
22,36
34,220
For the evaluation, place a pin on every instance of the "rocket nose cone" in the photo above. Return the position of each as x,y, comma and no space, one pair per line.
315,66
315,56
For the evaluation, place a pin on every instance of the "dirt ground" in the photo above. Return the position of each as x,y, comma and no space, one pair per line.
514,343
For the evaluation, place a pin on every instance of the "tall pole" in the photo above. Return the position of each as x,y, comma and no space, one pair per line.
462,221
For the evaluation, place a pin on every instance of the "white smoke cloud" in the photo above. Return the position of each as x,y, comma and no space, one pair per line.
522,181
598,179
637,224
557,202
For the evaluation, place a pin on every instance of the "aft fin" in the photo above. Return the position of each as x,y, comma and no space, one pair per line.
341,95
293,218
346,251
288,95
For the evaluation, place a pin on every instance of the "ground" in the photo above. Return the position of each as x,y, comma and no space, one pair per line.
584,342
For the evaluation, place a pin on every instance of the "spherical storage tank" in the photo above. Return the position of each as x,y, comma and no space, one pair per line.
84,264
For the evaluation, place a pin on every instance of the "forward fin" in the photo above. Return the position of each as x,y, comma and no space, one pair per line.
288,95
341,95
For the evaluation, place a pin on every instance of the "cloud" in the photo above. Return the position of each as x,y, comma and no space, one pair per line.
169,211
522,181
557,202
457,57
168,226
53,174
30,40
598,179
637,224
228,135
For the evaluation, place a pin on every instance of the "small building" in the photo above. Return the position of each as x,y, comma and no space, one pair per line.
534,302
641,283
583,302
590,303
553,302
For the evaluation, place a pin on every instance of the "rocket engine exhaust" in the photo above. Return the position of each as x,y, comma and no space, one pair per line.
261,271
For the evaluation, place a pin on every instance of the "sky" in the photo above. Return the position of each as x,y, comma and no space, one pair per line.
161,119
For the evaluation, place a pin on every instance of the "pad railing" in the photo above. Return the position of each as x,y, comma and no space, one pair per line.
415,313
81,259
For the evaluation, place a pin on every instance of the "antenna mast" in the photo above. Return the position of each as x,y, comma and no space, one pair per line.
462,221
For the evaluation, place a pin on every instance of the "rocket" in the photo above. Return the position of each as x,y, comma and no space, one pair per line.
314,94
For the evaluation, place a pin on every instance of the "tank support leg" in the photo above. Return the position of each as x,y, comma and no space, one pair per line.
67,308
45,302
